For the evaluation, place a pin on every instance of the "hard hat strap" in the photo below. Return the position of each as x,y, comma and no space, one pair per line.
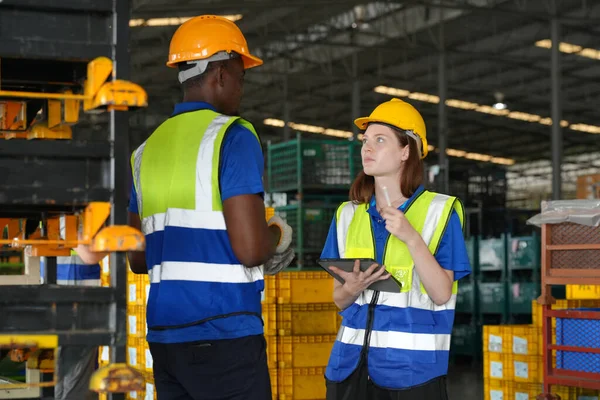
199,66
413,135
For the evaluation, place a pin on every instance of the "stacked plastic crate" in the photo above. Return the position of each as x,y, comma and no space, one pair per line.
513,358
307,180
138,353
307,322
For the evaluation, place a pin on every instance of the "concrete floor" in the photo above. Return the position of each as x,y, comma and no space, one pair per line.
465,381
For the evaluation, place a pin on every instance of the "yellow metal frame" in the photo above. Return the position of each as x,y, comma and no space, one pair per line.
37,342
66,232
99,95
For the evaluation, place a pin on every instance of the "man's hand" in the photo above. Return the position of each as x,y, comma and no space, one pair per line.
279,261
285,237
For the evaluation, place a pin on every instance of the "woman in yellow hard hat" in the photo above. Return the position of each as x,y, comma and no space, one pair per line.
395,344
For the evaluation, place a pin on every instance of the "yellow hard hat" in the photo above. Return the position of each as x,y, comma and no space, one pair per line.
401,115
202,37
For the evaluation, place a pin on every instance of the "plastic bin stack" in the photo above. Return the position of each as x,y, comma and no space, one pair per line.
512,355
300,324
307,180
307,322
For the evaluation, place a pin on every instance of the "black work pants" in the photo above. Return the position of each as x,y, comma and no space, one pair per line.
234,369
358,386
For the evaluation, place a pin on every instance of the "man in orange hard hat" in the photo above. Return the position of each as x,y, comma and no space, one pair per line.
198,199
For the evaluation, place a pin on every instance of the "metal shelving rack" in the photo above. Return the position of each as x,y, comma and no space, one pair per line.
46,47
571,351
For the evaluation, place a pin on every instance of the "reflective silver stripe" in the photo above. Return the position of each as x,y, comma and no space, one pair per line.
343,224
401,300
204,272
184,219
396,340
81,282
204,164
137,163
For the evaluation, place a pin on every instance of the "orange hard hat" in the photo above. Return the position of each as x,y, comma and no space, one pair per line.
203,36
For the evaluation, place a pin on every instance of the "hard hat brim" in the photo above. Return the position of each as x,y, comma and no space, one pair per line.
363,122
249,60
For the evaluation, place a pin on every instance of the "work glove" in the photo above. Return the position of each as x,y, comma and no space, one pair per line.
278,262
286,233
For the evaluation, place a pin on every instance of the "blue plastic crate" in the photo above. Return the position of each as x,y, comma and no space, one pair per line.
578,333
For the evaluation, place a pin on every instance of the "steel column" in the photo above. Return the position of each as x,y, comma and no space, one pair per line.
442,116
355,95
119,137
557,140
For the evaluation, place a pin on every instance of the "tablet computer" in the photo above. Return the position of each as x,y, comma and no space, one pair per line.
391,285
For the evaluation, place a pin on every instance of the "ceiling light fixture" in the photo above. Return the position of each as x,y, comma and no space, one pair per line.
347,134
492,110
172,21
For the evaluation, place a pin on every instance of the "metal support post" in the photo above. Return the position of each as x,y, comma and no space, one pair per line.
557,140
355,95
442,117
119,137
286,107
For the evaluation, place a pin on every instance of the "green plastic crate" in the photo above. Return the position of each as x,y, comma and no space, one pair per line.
492,256
520,296
310,224
465,299
464,340
492,298
300,165
524,253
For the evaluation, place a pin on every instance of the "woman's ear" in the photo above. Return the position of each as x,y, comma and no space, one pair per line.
405,153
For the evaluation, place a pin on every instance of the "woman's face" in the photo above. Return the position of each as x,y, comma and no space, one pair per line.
382,154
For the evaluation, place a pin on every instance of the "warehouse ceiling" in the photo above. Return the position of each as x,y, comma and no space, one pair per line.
317,53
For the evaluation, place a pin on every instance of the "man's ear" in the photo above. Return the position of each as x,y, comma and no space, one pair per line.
221,75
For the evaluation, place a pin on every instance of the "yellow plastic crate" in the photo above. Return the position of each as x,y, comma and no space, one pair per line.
565,392
274,388
496,339
587,394
269,295
526,339
269,212
304,287
103,356
269,315
536,309
307,319
522,390
494,389
136,321
522,368
578,292
136,352
496,366
301,383
271,351
135,294
304,351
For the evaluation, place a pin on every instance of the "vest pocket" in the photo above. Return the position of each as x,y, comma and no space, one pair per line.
402,274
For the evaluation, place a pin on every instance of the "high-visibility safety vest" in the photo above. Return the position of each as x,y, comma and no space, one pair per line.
198,288
405,336
72,271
